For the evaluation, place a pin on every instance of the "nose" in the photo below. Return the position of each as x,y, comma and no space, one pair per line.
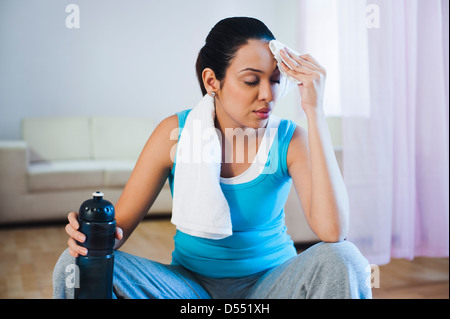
265,92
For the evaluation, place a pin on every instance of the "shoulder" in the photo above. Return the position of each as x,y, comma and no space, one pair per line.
168,124
165,135
165,129
290,132
291,143
171,124
299,134
298,150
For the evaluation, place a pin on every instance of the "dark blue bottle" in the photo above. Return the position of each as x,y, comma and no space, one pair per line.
97,222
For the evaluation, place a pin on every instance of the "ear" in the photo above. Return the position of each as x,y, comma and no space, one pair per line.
210,81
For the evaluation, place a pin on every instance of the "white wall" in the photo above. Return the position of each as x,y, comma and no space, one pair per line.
131,57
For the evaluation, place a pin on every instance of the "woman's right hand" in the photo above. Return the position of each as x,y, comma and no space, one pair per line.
75,235
72,230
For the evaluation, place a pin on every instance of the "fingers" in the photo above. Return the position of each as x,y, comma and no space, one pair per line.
302,70
297,75
294,63
313,61
75,235
305,62
73,220
119,233
74,249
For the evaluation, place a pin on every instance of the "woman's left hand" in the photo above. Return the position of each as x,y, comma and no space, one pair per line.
307,70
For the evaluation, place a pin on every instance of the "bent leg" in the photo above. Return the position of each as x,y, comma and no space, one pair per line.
325,270
134,277
140,278
63,276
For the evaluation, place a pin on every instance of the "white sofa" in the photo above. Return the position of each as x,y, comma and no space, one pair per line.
60,162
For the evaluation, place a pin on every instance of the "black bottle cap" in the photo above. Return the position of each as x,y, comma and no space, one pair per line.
97,209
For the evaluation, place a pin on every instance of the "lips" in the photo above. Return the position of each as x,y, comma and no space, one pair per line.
263,113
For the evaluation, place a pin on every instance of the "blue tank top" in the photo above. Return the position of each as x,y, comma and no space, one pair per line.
259,240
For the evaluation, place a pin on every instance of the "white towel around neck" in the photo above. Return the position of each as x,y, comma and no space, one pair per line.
199,205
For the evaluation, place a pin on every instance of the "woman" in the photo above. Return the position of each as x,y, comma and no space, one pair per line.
237,69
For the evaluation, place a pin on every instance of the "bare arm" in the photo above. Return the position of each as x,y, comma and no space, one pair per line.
311,160
147,179
318,182
144,185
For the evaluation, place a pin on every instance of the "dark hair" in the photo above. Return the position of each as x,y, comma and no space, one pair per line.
224,40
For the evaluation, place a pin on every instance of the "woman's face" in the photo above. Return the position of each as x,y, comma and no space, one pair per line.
247,93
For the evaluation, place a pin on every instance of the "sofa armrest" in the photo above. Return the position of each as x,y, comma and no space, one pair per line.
13,167
12,144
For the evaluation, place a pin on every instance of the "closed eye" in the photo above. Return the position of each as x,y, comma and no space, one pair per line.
254,83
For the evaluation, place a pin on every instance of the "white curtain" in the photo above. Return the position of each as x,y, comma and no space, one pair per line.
392,88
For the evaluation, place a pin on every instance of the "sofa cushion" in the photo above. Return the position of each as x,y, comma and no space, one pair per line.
68,175
119,137
57,138
64,175
117,172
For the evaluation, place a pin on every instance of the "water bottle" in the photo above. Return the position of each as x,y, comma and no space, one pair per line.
96,219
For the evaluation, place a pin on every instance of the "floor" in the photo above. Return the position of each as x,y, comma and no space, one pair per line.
27,257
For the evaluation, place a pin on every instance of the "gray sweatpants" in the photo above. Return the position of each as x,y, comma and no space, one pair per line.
325,270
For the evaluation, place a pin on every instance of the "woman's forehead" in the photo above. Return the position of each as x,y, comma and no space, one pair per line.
254,55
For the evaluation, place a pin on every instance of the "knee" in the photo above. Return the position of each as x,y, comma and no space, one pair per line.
347,265
64,260
340,253
342,259
63,267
